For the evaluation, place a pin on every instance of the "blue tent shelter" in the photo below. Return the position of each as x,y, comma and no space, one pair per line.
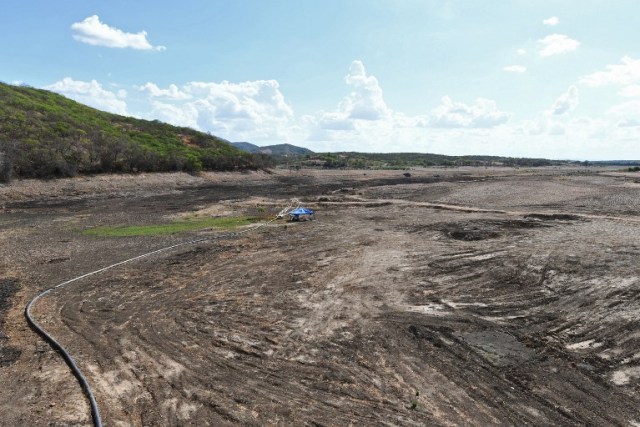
298,213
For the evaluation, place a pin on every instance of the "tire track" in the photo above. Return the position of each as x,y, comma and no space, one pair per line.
69,360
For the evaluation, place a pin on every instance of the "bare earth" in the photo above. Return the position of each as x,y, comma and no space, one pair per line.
452,297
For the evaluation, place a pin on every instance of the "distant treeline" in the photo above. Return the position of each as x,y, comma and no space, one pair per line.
616,163
44,135
352,160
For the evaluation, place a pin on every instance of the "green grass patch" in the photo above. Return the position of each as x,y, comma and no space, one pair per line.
223,223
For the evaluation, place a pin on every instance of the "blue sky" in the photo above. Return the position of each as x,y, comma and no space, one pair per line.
536,78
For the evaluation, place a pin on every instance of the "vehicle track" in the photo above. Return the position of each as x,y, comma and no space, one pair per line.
206,338
546,214
69,360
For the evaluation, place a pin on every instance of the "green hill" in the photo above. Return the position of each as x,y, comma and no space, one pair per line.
246,146
278,150
285,150
43,134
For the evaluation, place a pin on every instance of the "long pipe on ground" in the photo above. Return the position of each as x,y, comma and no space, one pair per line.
95,411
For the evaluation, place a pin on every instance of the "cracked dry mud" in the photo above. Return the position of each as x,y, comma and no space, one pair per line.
480,297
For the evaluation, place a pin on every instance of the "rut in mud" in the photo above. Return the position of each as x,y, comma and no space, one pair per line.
8,354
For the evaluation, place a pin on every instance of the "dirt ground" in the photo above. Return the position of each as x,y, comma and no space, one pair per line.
450,297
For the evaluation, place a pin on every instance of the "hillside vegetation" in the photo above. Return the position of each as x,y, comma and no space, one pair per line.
295,157
43,134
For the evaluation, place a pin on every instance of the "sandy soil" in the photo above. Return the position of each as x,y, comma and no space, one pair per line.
474,297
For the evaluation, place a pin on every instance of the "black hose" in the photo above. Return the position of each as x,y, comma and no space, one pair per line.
95,412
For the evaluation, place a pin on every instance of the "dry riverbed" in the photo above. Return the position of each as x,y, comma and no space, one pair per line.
450,297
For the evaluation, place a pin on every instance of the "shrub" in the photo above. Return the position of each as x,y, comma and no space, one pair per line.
6,165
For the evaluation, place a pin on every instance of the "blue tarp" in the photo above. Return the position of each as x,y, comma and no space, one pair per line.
301,211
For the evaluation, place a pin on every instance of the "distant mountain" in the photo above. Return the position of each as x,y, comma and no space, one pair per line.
285,150
246,146
279,150
43,134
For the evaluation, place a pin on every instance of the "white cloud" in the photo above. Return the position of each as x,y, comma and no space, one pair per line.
483,113
335,121
631,91
534,127
172,92
551,22
365,101
629,109
257,111
96,33
576,133
364,120
556,44
247,111
515,68
629,123
521,52
627,72
252,99
567,102
375,127
91,93
183,115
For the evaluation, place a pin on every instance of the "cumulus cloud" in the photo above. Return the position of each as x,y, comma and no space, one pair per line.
363,104
534,127
365,101
628,112
253,100
483,113
92,31
183,115
551,22
172,92
567,102
91,93
335,121
576,130
252,110
521,52
515,69
556,44
627,72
